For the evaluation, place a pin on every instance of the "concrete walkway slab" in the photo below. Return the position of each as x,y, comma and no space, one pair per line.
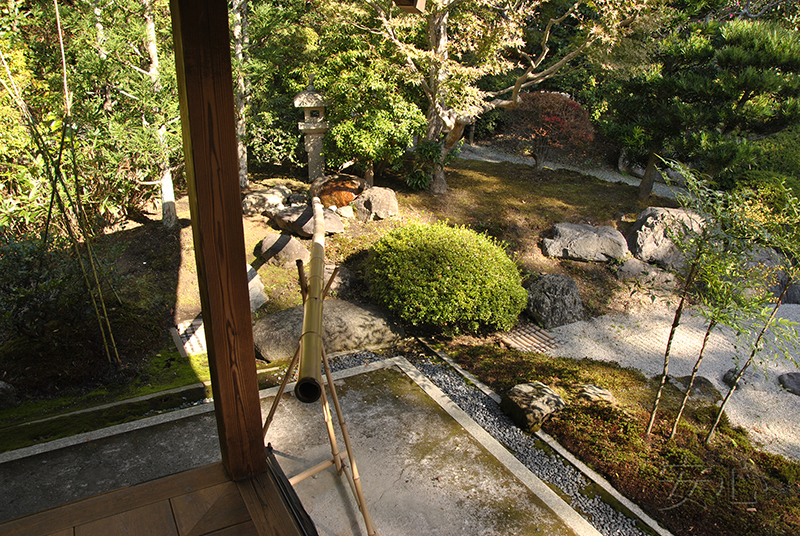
425,466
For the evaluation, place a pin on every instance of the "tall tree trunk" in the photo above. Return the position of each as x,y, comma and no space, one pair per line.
369,173
646,186
169,216
437,41
439,183
169,212
241,40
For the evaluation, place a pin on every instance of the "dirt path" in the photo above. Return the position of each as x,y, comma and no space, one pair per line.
488,154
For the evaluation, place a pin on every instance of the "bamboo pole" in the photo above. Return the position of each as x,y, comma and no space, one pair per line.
309,383
312,357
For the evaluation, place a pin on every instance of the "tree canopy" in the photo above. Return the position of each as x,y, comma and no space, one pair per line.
710,88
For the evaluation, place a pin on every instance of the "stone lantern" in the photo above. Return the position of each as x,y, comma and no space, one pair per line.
314,127
411,6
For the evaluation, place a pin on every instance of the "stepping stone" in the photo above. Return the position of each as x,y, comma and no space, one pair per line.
790,382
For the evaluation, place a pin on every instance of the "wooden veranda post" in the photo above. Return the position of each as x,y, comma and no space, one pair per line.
205,85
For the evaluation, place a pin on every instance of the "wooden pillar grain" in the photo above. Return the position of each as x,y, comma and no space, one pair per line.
205,85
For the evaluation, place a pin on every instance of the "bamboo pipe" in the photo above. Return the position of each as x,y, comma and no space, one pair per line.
309,384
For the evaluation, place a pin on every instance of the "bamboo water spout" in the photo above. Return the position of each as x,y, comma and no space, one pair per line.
309,384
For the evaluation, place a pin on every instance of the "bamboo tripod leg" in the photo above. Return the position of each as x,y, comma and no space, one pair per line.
326,414
356,479
284,382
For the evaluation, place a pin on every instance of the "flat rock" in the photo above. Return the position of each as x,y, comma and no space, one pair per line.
646,274
346,212
266,202
593,393
753,378
529,404
702,390
299,220
282,249
343,282
345,326
256,289
790,382
584,242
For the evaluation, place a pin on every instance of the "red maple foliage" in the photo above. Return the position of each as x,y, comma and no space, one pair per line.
545,120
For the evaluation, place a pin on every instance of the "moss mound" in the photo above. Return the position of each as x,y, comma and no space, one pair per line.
451,278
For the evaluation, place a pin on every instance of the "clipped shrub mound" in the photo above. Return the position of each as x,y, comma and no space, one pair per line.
436,276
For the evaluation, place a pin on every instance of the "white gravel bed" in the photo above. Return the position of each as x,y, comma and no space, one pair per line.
770,414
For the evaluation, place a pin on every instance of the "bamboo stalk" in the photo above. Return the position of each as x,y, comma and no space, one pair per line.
309,383
281,389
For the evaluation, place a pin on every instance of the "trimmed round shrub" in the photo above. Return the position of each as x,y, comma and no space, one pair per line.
436,276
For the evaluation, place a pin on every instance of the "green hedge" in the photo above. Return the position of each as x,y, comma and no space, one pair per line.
451,278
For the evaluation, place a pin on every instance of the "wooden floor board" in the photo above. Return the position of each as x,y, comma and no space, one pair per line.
244,529
65,532
153,519
209,509
63,518
200,502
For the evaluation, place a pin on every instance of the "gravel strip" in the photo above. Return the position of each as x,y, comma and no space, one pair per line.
542,462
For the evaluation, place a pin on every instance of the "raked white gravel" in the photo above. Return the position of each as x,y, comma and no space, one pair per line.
638,339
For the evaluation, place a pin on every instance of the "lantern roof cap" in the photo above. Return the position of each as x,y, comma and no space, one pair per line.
309,98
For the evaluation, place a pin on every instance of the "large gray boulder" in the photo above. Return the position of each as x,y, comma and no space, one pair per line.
376,204
649,239
583,242
266,202
554,300
299,220
282,249
345,326
530,404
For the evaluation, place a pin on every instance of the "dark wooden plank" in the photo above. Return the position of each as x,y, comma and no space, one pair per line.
115,502
151,520
208,510
267,509
205,87
65,532
245,529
